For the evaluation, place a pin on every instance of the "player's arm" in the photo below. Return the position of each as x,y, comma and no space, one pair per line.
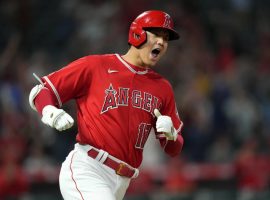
173,148
69,82
172,141
43,101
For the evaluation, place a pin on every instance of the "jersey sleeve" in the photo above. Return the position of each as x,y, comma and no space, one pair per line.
71,81
170,109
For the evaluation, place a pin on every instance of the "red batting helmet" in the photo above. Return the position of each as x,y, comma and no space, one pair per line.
150,19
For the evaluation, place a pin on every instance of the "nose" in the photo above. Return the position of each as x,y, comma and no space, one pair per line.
160,40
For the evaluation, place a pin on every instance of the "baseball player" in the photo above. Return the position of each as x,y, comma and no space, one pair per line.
119,99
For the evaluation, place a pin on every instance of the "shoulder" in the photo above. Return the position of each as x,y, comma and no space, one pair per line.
91,61
98,58
160,80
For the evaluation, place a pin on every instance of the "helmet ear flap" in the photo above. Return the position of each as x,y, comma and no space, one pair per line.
137,36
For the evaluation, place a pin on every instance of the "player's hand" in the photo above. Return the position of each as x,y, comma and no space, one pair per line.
164,124
56,118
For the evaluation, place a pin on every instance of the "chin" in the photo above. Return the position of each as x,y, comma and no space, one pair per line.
150,62
153,61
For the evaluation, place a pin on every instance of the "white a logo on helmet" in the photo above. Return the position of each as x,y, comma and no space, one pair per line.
167,21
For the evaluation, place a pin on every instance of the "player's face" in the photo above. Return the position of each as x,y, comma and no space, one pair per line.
155,47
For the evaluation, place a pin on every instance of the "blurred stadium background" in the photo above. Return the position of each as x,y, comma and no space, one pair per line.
219,70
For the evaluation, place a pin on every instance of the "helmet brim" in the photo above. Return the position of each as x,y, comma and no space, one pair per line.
173,35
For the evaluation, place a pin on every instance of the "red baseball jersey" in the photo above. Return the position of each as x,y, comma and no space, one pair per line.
115,103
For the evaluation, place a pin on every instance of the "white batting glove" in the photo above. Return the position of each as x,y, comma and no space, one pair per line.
164,124
56,118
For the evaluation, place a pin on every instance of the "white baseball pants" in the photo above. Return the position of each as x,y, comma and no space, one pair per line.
84,178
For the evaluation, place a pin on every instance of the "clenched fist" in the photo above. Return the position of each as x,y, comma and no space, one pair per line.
164,124
56,118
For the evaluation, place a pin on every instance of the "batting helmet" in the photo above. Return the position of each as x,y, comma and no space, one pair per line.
150,19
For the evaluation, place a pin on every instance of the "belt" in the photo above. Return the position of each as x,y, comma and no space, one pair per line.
119,167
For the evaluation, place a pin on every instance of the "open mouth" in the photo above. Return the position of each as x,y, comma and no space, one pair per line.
155,52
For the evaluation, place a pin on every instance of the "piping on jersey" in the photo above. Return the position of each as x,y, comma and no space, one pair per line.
129,67
180,127
54,90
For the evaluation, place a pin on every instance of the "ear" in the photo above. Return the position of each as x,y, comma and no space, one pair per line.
137,36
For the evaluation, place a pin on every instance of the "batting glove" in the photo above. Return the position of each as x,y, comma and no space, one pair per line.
56,118
164,124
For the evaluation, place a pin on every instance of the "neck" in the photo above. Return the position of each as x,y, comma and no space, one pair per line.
133,57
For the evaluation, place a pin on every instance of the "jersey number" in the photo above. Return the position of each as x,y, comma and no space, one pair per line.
143,133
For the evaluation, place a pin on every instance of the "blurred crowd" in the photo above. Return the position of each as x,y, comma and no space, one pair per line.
219,70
